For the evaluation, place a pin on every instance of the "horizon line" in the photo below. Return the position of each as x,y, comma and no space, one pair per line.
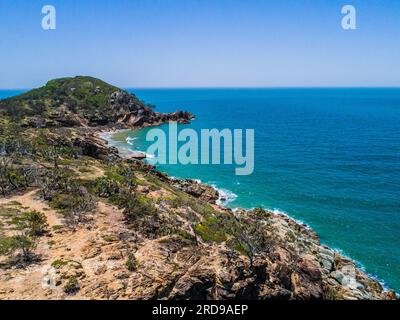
230,87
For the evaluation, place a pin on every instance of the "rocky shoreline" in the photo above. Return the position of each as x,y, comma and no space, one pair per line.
337,269
109,226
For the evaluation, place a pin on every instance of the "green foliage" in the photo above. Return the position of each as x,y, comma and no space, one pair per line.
115,179
72,285
26,228
67,195
64,202
74,205
123,174
15,203
46,147
51,243
57,227
134,205
248,237
32,223
7,245
330,293
12,140
118,185
110,238
59,263
8,212
86,96
186,235
106,187
211,230
15,177
131,262
56,181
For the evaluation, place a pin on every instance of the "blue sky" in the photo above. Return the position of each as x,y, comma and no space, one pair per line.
201,43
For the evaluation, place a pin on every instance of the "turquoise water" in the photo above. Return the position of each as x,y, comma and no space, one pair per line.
9,93
327,157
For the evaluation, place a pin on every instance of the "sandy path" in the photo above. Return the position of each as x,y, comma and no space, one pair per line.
32,202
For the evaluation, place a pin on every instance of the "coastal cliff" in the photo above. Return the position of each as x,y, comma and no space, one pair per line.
79,221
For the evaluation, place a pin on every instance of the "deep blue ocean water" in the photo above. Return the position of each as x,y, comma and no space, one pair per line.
327,157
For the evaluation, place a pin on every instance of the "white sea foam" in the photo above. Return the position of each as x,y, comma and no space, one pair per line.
106,135
360,266
225,196
339,251
283,213
130,140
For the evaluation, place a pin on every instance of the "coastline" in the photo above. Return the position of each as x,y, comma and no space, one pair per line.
179,230
126,153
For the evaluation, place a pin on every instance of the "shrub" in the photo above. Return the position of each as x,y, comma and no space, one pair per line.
27,227
26,244
249,238
134,205
33,221
74,206
105,187
56,181
124,175
50,149
15,177
131,263
59,263
72,286
7,245
211,229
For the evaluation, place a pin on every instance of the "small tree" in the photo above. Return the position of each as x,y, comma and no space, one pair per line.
7,245
73,204
84,204
50,150
55,181
249,238
5,168
106,187
27,227
35,222
135,206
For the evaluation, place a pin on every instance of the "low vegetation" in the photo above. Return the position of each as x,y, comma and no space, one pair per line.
187,247
131,263
72,285
20,232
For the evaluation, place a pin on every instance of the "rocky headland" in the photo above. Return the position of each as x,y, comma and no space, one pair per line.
79,221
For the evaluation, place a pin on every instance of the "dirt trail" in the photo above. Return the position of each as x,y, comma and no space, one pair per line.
30,201
93,254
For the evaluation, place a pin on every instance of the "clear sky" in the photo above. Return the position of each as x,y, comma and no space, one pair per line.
201,43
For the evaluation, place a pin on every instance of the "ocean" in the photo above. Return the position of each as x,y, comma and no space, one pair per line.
327,157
